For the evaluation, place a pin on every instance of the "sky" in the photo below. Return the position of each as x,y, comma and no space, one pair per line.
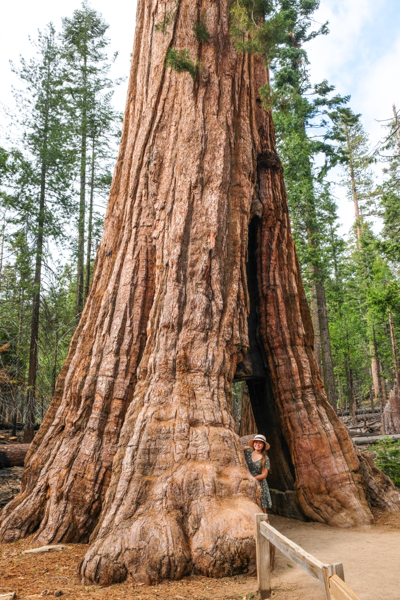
360,56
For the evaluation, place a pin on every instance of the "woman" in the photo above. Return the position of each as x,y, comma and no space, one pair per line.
258,463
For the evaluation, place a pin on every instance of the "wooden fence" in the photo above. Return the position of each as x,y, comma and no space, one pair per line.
330,575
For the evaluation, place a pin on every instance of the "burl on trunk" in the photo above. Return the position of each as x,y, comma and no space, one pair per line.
196,274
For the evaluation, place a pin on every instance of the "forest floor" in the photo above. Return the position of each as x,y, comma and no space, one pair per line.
371,558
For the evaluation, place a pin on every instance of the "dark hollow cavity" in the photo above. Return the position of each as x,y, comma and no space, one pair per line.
254,370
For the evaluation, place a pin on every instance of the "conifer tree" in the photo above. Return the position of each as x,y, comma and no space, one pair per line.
390,190
299,109
358,180
41,199
84,49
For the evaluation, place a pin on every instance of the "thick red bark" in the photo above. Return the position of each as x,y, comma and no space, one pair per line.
197,193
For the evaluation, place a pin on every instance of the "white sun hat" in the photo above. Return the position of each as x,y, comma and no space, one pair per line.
259,438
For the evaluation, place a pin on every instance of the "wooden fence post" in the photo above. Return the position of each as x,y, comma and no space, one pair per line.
263,560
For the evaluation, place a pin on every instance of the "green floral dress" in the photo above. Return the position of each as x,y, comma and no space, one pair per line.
255,469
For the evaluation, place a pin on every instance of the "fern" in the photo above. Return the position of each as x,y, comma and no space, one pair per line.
180,61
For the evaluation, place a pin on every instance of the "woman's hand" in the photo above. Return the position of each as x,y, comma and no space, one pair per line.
263,475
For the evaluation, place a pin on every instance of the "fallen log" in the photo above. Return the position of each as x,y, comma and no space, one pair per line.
371,439
13,455
55,548
360,411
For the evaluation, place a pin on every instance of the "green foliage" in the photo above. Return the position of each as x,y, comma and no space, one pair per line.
388,458
200,30
86,73
180,61
63,98
389,191
163,25
268,27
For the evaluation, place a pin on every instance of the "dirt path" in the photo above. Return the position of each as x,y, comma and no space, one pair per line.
370,555
371,558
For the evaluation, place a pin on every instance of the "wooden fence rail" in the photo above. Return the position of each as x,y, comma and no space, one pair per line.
330,575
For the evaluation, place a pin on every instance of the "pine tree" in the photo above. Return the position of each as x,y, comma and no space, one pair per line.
40,201
390,190
358,180
300,109
84,43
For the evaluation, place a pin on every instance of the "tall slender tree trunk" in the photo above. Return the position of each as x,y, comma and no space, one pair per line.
54,370
138,448
375,371
354,188
397,125
34,344
380,393
349,381
319,310
90,222
394,351
315,321
357,214
326,348
18,360
247,422
82,200
3,235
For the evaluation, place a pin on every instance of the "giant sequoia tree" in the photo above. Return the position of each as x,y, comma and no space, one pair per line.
196,278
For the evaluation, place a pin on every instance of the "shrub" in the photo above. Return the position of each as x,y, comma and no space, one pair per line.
388,458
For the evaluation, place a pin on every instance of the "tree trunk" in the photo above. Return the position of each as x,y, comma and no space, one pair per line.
354,189
171,311
394,351
34,345
82,201
3,235
247,421
316,324
326,348
350,394
375,373
54,369
90,222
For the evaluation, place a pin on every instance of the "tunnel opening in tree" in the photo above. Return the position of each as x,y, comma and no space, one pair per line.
254,371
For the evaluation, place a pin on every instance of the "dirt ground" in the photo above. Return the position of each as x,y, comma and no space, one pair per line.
371,558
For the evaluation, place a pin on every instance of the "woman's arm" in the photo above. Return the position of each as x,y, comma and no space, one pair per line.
263,475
